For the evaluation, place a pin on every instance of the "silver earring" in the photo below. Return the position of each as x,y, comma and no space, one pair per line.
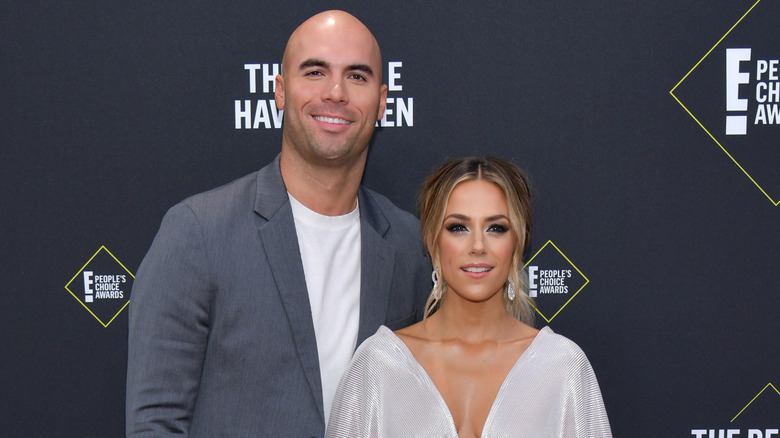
510,291
436,289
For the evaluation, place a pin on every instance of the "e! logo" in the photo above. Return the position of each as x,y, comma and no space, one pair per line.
736,124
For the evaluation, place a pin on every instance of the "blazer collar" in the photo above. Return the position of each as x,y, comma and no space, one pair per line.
270,193
371,213
280,244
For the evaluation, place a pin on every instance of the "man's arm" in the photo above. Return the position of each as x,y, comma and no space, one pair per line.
168,329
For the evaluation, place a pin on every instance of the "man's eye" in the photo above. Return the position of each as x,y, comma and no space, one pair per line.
314,73
357,76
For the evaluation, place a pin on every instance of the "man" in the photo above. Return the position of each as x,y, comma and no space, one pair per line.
253,296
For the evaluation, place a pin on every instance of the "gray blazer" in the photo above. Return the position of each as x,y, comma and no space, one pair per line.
221,338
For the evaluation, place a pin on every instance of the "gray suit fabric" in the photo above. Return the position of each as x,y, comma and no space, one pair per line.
221,340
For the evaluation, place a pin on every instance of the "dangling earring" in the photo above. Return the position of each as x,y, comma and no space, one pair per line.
510,291
436,289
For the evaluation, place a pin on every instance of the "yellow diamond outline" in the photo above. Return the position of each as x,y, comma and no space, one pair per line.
754,399
775,202
102,248
550,242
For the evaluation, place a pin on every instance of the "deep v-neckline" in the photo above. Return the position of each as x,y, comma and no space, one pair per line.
528,352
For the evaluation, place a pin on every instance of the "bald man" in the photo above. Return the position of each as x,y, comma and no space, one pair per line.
253,296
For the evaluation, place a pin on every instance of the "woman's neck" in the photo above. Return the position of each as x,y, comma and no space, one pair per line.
458,319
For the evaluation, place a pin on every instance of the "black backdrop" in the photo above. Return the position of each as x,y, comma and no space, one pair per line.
114,111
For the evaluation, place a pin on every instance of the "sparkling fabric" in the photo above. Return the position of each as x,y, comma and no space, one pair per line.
550,392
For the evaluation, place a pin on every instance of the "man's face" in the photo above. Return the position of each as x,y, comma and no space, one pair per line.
331,91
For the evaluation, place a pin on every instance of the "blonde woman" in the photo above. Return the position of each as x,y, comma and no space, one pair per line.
475,366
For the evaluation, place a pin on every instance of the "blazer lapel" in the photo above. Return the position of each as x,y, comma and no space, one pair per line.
376,269
280,244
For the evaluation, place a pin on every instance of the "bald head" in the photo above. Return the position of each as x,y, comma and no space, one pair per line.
332,30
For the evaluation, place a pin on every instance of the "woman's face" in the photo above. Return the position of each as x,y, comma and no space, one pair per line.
476,242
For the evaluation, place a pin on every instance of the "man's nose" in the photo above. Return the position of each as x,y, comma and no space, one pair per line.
335,91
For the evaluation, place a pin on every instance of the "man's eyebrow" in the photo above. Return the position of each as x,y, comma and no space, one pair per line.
312,62
365,68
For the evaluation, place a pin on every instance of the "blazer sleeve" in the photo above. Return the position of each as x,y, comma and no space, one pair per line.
168,329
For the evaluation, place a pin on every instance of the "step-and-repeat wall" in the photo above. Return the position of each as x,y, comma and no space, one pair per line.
651,131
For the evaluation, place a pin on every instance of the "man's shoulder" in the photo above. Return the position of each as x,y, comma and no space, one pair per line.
231,192
240,193
218,210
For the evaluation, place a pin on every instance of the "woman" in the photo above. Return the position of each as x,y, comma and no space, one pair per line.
475,366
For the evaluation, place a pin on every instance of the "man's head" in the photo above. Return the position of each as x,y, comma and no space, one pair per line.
330,89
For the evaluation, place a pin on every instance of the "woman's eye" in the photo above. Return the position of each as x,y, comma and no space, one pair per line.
498,228
456,228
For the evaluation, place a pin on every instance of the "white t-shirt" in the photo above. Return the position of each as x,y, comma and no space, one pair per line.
330,252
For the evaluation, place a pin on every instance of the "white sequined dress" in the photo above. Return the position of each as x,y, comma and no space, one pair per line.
551,391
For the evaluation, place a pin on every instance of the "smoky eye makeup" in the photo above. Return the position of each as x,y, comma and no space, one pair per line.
456,227
498,228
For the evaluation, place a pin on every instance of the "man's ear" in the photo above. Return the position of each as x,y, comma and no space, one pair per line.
279,92
382,102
